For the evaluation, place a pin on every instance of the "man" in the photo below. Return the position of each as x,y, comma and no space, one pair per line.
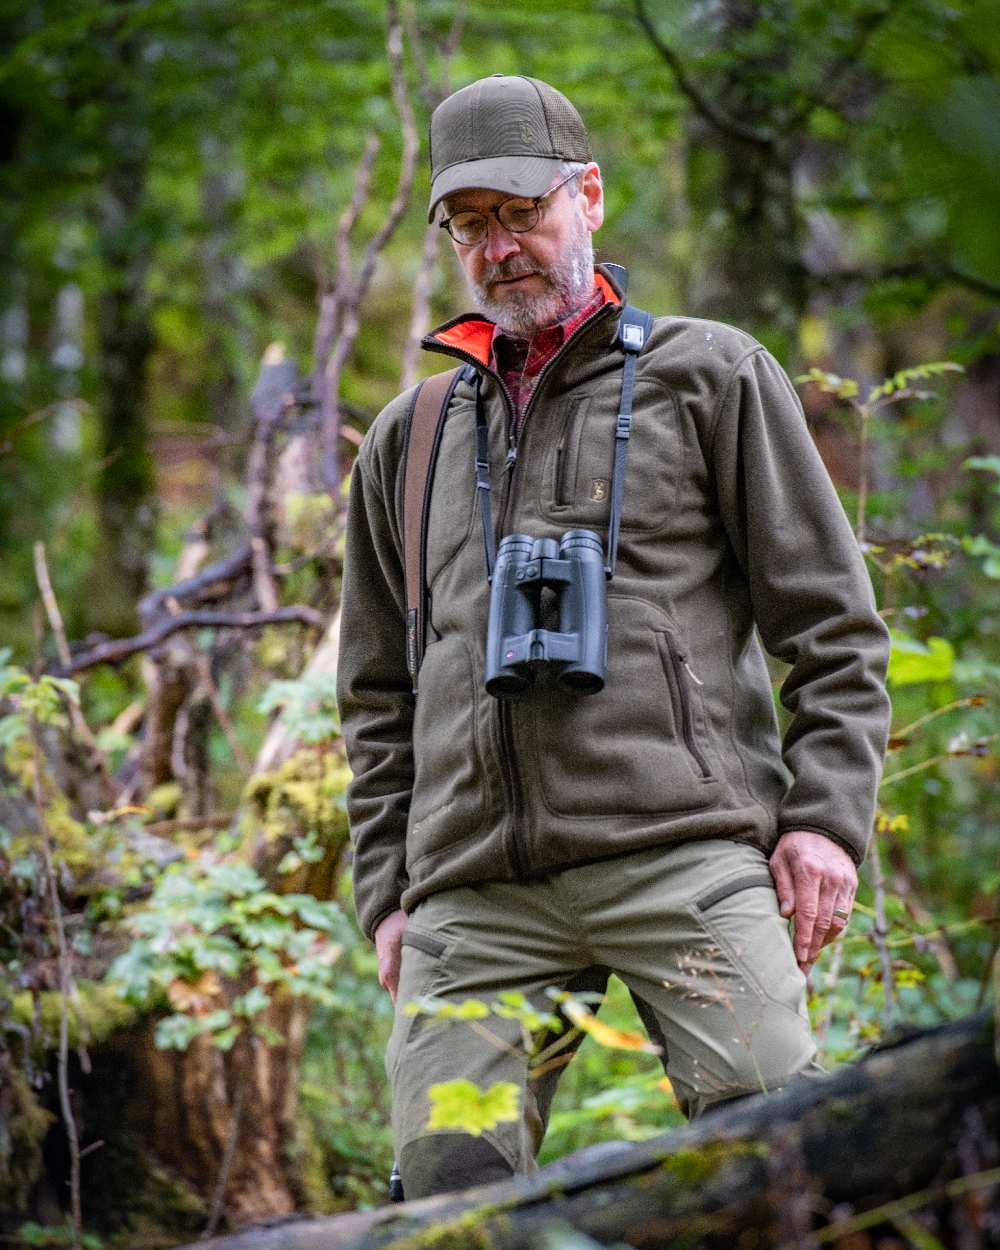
660,827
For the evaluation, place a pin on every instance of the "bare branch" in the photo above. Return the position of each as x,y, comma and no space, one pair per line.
212,583
77,718
349,295
119,649
420,310
704,106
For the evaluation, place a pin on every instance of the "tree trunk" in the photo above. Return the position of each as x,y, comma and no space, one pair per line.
909,1135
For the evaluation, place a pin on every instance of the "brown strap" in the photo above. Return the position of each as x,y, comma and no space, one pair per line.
424,423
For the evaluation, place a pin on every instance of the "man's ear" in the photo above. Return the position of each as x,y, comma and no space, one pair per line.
592,190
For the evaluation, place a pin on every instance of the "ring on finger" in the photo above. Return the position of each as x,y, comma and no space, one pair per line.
839,911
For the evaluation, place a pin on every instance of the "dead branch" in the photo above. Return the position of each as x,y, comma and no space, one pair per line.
214,582
118,649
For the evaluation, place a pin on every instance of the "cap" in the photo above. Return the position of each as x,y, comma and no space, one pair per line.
505,133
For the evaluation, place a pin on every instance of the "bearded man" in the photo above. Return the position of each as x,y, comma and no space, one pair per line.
658,827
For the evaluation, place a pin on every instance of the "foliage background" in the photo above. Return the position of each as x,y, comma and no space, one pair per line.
173,173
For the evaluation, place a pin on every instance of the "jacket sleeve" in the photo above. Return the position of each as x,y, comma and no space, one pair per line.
812,600
376,700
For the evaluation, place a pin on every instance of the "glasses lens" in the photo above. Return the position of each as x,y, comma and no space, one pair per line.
518,216
467,228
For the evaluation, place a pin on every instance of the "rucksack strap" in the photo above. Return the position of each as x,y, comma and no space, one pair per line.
422,437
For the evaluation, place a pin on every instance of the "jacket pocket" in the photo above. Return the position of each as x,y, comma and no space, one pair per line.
630,749
680,677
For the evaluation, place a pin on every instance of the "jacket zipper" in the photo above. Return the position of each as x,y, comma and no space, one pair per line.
508,763
682,670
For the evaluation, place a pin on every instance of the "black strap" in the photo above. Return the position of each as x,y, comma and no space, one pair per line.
483,483
634,326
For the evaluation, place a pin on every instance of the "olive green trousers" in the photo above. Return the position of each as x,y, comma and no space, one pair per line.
692,929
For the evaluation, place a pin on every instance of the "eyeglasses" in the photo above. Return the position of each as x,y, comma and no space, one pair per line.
516,215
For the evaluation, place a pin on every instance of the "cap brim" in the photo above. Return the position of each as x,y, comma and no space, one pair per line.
517,175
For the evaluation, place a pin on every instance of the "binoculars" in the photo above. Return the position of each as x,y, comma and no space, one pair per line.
572,570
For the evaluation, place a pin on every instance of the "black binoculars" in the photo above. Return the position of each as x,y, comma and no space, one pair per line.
516,647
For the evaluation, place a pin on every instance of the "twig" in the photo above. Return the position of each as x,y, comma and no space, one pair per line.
880,932
829,985
705,107
118,649
65,989
900,1206
227,1158
935,759
186,824
79,721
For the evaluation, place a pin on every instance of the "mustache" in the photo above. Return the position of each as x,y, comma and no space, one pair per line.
508,269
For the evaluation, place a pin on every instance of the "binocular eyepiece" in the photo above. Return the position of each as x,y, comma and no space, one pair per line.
516,647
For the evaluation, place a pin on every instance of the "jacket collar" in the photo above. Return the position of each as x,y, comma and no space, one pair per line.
472,333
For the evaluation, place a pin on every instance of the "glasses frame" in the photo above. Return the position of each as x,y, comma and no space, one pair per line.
536,200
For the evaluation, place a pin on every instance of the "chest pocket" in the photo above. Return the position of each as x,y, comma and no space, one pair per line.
576,479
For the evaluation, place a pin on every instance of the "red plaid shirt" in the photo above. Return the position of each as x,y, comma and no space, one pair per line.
519,361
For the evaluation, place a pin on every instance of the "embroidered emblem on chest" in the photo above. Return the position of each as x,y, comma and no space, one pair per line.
599,489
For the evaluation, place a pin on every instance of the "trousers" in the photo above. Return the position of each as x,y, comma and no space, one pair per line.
692,929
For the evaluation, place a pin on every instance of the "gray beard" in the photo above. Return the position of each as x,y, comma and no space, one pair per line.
569,284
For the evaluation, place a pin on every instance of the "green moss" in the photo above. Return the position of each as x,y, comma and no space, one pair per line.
303,795
694,1167
23,1126
97,1004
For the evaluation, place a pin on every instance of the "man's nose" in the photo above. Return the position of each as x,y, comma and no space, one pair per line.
500,243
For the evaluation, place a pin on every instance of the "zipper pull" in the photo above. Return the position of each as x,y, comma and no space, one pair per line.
511,459
693,675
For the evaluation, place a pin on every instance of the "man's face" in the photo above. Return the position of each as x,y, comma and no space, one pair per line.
524,281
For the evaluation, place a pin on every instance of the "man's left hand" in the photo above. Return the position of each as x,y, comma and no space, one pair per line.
816,882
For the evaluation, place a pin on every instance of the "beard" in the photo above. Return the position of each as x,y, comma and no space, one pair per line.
569,283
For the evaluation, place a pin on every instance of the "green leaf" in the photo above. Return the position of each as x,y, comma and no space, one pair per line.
464,1106
911,661
252,1002
176,1032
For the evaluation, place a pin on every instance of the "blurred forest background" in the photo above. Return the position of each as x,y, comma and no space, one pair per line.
214,271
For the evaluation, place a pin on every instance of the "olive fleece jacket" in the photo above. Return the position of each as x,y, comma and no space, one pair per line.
730,520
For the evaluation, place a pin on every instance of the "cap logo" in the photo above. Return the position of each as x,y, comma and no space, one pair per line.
526,135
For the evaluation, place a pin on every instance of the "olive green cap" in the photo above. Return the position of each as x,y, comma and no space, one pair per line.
504,133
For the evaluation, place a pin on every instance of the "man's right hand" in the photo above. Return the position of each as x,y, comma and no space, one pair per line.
388,947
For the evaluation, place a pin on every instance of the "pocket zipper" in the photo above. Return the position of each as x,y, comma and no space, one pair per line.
678,661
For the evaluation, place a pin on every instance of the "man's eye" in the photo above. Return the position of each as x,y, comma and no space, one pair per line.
519,216
466,221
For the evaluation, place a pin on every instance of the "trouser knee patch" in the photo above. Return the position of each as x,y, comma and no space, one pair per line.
441,1162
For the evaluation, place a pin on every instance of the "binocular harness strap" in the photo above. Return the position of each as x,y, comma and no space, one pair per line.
634,326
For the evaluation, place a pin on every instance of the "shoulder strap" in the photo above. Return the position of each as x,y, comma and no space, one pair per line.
634,326
424,423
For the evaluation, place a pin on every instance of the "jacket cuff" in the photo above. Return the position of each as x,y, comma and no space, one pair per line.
857,857
387,911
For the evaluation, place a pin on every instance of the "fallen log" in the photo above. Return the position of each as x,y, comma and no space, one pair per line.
910,1135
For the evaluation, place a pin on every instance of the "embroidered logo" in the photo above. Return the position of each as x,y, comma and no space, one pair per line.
599,489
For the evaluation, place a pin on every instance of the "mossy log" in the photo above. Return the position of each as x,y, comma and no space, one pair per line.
910,1133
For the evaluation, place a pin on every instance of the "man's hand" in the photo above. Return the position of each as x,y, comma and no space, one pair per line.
816,882
388,947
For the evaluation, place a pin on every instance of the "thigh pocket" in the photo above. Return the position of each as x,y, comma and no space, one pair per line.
740,914
422,971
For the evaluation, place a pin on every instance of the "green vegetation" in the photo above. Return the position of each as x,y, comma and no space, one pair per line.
172,827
